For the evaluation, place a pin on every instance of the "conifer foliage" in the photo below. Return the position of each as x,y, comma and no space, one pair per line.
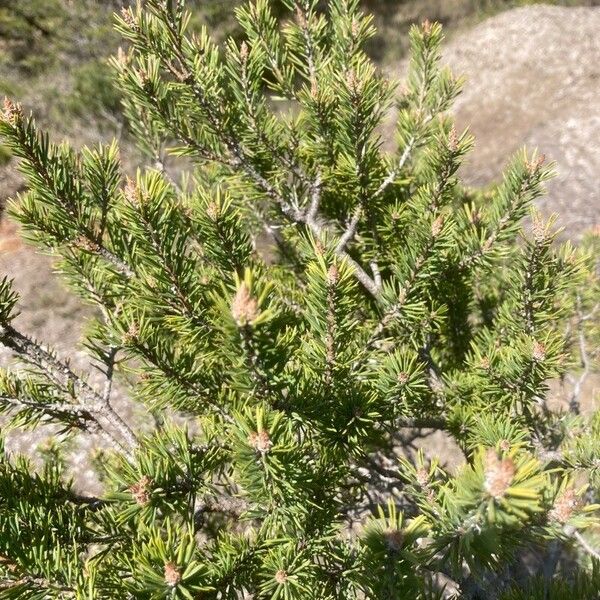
294,313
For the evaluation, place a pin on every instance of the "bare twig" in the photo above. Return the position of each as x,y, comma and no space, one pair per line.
62,375
350,232
586,545
585,362
110,369
397,168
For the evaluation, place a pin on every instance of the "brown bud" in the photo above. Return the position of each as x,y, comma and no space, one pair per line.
244,52
355,28
333,275
141,490
426,27
127,17
534,165
504,445
539,351
281,576
85,243
393,540
538,229
352,80
11,112
300,17
423,477
260,441
131,335
499,474
212,211
132,192
244,307
485,363
564,507
437,226
172,574
403,378
453,140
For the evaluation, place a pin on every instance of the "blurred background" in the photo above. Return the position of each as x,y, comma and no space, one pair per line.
532,74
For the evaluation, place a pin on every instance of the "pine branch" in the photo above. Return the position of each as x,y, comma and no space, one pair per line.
70,383
239,159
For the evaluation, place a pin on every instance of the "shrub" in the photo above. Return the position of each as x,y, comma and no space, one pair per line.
288,384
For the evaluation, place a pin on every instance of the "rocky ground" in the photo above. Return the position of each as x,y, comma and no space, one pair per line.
532,78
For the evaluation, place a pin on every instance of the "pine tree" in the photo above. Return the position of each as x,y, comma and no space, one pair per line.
294,313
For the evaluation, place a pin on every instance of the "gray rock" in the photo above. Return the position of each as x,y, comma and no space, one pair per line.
533,79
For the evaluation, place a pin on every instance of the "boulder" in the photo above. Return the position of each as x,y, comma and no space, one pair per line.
533,79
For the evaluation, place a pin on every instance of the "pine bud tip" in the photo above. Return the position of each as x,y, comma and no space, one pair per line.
423,477
314,90
498,473
11,111
453,139
141,491
131,335
132,192
564,507
281,576
172,574
538,230
539,351
127,17
352,80
212,211
333,275
533,166
244,307
437,226
260,441
300,17
393,539
244,51
122,57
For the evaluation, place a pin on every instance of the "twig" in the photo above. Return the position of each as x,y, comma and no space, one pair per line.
397,168
586,545
65,378
110,369
350,232
585,363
